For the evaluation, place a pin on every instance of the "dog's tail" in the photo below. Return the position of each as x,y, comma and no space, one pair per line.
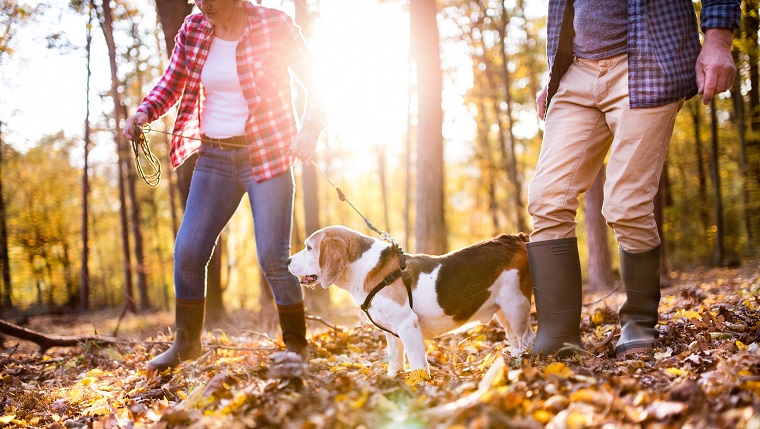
520,237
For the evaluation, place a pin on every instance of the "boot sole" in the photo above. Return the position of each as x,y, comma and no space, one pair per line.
629,349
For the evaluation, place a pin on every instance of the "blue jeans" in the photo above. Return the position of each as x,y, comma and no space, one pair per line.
220,180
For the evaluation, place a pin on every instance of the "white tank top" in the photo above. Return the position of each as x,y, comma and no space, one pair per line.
224,110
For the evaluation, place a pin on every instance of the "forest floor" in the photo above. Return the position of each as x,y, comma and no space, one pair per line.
704,373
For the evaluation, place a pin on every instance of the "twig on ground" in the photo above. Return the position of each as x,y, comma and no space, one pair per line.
324,322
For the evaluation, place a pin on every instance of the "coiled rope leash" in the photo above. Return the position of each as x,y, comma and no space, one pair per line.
141,145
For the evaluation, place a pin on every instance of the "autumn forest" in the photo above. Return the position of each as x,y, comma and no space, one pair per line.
434,136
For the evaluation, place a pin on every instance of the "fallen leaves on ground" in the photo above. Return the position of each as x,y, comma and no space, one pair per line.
705,372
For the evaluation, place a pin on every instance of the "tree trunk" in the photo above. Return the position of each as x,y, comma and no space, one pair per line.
662,200
46,341
318,299
409,145
719,256
430,224
512,172
84,276
599,256
741,135
5,265
142,277
483,151
106,24
751,28
532,64
171,15
696,115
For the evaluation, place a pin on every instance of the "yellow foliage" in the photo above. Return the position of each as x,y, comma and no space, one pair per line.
416,377
559,369
687,314
676,371
542,416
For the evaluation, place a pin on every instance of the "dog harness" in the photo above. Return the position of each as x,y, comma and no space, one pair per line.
390,278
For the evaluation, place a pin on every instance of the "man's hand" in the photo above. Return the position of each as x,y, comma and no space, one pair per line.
715,66
541,102
138,118
304,145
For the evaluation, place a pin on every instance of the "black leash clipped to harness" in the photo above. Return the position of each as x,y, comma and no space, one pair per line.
389,279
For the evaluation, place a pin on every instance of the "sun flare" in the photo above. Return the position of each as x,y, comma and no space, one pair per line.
362,48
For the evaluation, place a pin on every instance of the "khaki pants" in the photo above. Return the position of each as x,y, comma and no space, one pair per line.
587,118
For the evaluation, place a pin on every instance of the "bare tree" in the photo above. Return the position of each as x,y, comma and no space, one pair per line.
508,148
4,258
12,14
106,24
84,281
597,236
719,256
317,299
430,223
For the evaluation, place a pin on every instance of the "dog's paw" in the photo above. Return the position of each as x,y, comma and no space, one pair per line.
416,377
286,365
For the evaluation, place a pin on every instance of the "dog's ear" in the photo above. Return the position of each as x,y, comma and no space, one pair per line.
332,260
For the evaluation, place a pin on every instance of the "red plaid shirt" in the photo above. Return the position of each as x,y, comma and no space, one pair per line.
269,46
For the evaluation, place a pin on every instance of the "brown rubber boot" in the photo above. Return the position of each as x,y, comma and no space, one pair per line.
187,341
293,324
638,315
555,270
291,363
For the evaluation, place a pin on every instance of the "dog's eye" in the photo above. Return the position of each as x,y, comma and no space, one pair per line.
308,248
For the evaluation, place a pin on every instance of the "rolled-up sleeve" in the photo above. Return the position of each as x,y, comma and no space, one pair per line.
720,14
172,83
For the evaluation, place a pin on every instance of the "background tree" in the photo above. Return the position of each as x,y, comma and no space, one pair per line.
599,264
84,279
317,299
12,15
430,230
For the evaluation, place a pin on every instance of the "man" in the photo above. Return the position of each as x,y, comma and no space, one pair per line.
619,73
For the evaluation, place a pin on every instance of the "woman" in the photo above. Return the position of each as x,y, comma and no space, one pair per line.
230,71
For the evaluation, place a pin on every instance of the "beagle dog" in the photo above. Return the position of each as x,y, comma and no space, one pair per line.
472,284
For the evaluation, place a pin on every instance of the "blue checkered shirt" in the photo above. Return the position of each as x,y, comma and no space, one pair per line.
663,45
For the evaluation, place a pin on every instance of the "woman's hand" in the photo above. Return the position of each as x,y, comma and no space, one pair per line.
304,145
138,118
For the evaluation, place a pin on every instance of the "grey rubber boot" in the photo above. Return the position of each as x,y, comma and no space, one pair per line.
555,270
187,345
638,315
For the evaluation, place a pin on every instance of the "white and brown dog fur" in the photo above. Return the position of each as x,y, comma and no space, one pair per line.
487,279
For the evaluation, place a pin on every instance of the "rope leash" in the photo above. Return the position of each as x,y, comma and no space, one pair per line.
141,145
342,196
